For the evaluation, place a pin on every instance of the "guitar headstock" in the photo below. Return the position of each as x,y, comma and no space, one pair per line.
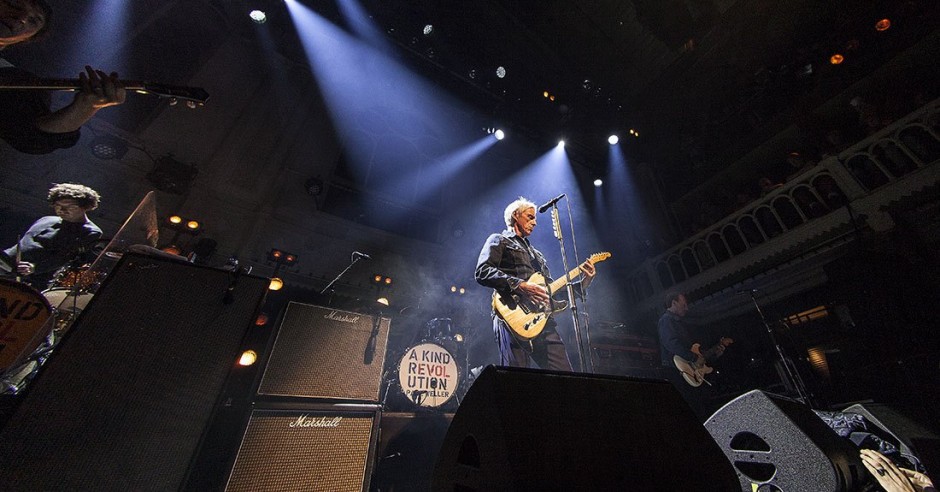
599,257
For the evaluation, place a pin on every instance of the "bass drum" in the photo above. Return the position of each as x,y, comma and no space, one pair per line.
428,375
25,313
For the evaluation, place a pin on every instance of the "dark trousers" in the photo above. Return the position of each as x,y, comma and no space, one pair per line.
547,349
702,399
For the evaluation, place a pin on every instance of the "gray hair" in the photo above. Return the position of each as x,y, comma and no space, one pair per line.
521,203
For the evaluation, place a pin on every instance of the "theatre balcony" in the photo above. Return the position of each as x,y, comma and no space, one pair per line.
780,238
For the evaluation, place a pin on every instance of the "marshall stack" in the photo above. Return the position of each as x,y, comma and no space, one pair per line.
314,422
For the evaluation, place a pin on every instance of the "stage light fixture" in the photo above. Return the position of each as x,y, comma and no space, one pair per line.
883,24
248,358
501,71
377,278
836,59
598,183
463,291
551,98
258,16
561,143
172,249
383,301
388,280
276,284
453,288
175,219
613,139
261,320
192,225
428,29
545,94
499,134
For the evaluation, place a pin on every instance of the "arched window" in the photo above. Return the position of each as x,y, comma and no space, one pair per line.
895,160
665,278
734,240
866,171
750,230
688,261
704,256
768,221
675,266
787,212
717,245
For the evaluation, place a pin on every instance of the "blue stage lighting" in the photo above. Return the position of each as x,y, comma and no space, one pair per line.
613,139
500,134
258,16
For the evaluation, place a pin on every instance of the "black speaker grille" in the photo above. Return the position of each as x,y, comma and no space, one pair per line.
124,400
326,353
296,450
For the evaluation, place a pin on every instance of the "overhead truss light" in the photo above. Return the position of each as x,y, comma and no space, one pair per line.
613,139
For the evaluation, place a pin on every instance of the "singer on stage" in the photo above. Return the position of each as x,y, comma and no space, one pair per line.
506,262
54,241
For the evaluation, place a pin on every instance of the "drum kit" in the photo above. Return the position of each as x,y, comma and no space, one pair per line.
432,371
33,322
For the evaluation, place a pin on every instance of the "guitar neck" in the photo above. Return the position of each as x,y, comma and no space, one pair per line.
62,84
560,282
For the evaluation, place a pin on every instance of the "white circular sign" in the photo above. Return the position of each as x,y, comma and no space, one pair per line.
428,375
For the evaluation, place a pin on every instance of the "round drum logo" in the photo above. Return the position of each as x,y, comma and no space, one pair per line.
428,375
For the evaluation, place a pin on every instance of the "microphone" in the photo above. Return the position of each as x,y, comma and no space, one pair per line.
358,254
551,202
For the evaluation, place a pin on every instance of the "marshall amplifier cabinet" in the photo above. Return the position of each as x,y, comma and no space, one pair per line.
326,448
326,353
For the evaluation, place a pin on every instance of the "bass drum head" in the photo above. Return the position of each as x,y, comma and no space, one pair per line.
428,375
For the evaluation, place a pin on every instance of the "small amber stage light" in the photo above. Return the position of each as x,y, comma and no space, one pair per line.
175,219
276,284
883,25
248,358
836,59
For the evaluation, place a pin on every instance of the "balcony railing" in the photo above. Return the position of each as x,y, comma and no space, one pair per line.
897,161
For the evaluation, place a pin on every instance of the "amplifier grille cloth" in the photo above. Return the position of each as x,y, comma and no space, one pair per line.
326,353
276,456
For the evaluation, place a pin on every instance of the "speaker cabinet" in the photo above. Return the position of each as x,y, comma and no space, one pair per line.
912,436
326,353
524,429
124,400
781,442
315,448
409,443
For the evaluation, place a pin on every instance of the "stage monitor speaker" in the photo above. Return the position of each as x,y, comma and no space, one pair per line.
326,353
525,429
123,401
911,435
312,449
409,443
780,444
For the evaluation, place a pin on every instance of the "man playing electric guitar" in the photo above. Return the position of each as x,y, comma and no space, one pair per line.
506,262
684,363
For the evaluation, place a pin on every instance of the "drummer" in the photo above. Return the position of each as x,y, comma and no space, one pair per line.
57,241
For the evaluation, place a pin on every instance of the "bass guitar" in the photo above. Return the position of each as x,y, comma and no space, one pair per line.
694,372
525,318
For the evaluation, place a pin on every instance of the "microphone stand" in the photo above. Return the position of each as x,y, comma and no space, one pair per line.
790,370
556,226
355,259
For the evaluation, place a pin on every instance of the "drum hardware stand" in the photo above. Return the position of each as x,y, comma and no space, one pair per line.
572,301
788,367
